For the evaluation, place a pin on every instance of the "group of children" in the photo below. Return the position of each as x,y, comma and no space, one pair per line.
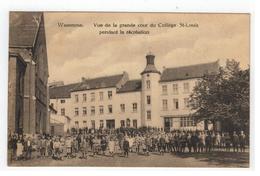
83,145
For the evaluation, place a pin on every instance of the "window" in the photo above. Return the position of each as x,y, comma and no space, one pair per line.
101,96
186,87
164,89
76,111
175,103
122,107
175,88
84,123
84,97
148,99
135,123
110,110
122,122
76,98
109,95
186,102
62,101
148,84
101,109
128,123
148,115
92,110
101,124
165,105
168,122
84,111
187,122
76,124
134,107
92,96
62,111
93,124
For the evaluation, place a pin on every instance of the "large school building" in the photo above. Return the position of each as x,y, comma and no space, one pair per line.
158,99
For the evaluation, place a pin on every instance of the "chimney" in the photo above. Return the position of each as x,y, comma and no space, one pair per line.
164,68
83,79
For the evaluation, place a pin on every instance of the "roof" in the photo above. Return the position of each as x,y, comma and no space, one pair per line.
61,91
179,115
150,69
131,86
100,82
23,28
188,72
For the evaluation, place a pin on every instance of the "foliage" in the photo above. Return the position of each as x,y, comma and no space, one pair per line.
223,96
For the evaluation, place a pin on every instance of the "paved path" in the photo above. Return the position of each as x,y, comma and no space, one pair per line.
214,159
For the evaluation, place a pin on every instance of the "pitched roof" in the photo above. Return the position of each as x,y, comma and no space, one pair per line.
61,91
100,82
188,72
131,86
23,28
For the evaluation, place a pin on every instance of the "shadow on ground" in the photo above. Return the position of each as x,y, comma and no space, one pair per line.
220,158
211,160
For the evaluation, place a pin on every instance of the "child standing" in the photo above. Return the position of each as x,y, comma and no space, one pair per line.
111,146
126,147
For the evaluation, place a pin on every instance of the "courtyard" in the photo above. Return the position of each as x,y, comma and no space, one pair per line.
213,159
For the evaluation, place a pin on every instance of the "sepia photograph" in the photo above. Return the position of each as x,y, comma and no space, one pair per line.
128,89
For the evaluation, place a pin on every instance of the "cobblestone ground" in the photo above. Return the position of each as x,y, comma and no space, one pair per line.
214,159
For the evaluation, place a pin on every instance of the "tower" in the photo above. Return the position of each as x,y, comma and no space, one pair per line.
150,112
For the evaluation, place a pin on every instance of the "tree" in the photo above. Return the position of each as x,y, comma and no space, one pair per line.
224,97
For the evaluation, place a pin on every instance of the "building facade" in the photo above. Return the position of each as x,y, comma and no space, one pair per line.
158,99
28,74
59,124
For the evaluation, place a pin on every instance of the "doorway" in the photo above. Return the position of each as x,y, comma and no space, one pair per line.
167,123
110,124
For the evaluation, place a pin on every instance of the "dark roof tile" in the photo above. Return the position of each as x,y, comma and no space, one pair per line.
100,82
61,91
188,72
131,86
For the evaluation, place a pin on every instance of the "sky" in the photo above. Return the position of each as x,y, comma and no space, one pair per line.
76,52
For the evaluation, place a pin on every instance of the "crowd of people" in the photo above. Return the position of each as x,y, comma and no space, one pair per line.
86,143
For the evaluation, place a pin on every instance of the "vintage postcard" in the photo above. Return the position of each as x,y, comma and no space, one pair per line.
129,89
